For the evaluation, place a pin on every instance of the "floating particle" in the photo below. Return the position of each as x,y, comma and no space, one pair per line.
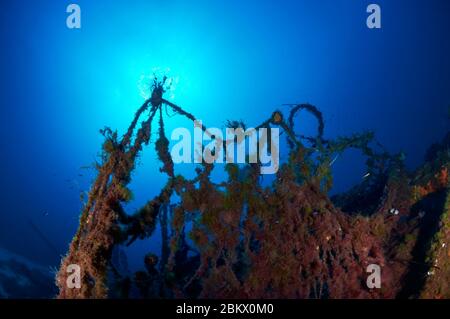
394,211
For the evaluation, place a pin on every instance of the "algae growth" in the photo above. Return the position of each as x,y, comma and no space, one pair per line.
285,240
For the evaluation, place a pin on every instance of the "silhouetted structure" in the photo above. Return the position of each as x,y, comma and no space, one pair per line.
289,240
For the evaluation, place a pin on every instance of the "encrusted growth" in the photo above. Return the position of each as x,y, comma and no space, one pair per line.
286,240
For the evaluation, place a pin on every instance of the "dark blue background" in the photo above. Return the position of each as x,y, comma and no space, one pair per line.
232,60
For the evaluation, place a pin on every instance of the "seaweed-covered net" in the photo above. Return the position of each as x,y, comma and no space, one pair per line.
285,240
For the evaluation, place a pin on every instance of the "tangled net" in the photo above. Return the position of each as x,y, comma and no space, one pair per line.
285,240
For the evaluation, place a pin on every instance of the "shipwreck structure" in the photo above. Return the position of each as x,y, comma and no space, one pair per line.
285,240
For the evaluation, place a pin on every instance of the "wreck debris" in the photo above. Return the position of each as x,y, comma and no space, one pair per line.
286,240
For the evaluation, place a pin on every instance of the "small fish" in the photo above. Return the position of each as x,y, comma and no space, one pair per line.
394,211
334,159
366,175
83,196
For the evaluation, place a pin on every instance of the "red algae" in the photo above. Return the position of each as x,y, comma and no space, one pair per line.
286,240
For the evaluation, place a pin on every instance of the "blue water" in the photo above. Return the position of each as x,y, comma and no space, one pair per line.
231,59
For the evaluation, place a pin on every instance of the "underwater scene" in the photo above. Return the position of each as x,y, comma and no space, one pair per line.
225,150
